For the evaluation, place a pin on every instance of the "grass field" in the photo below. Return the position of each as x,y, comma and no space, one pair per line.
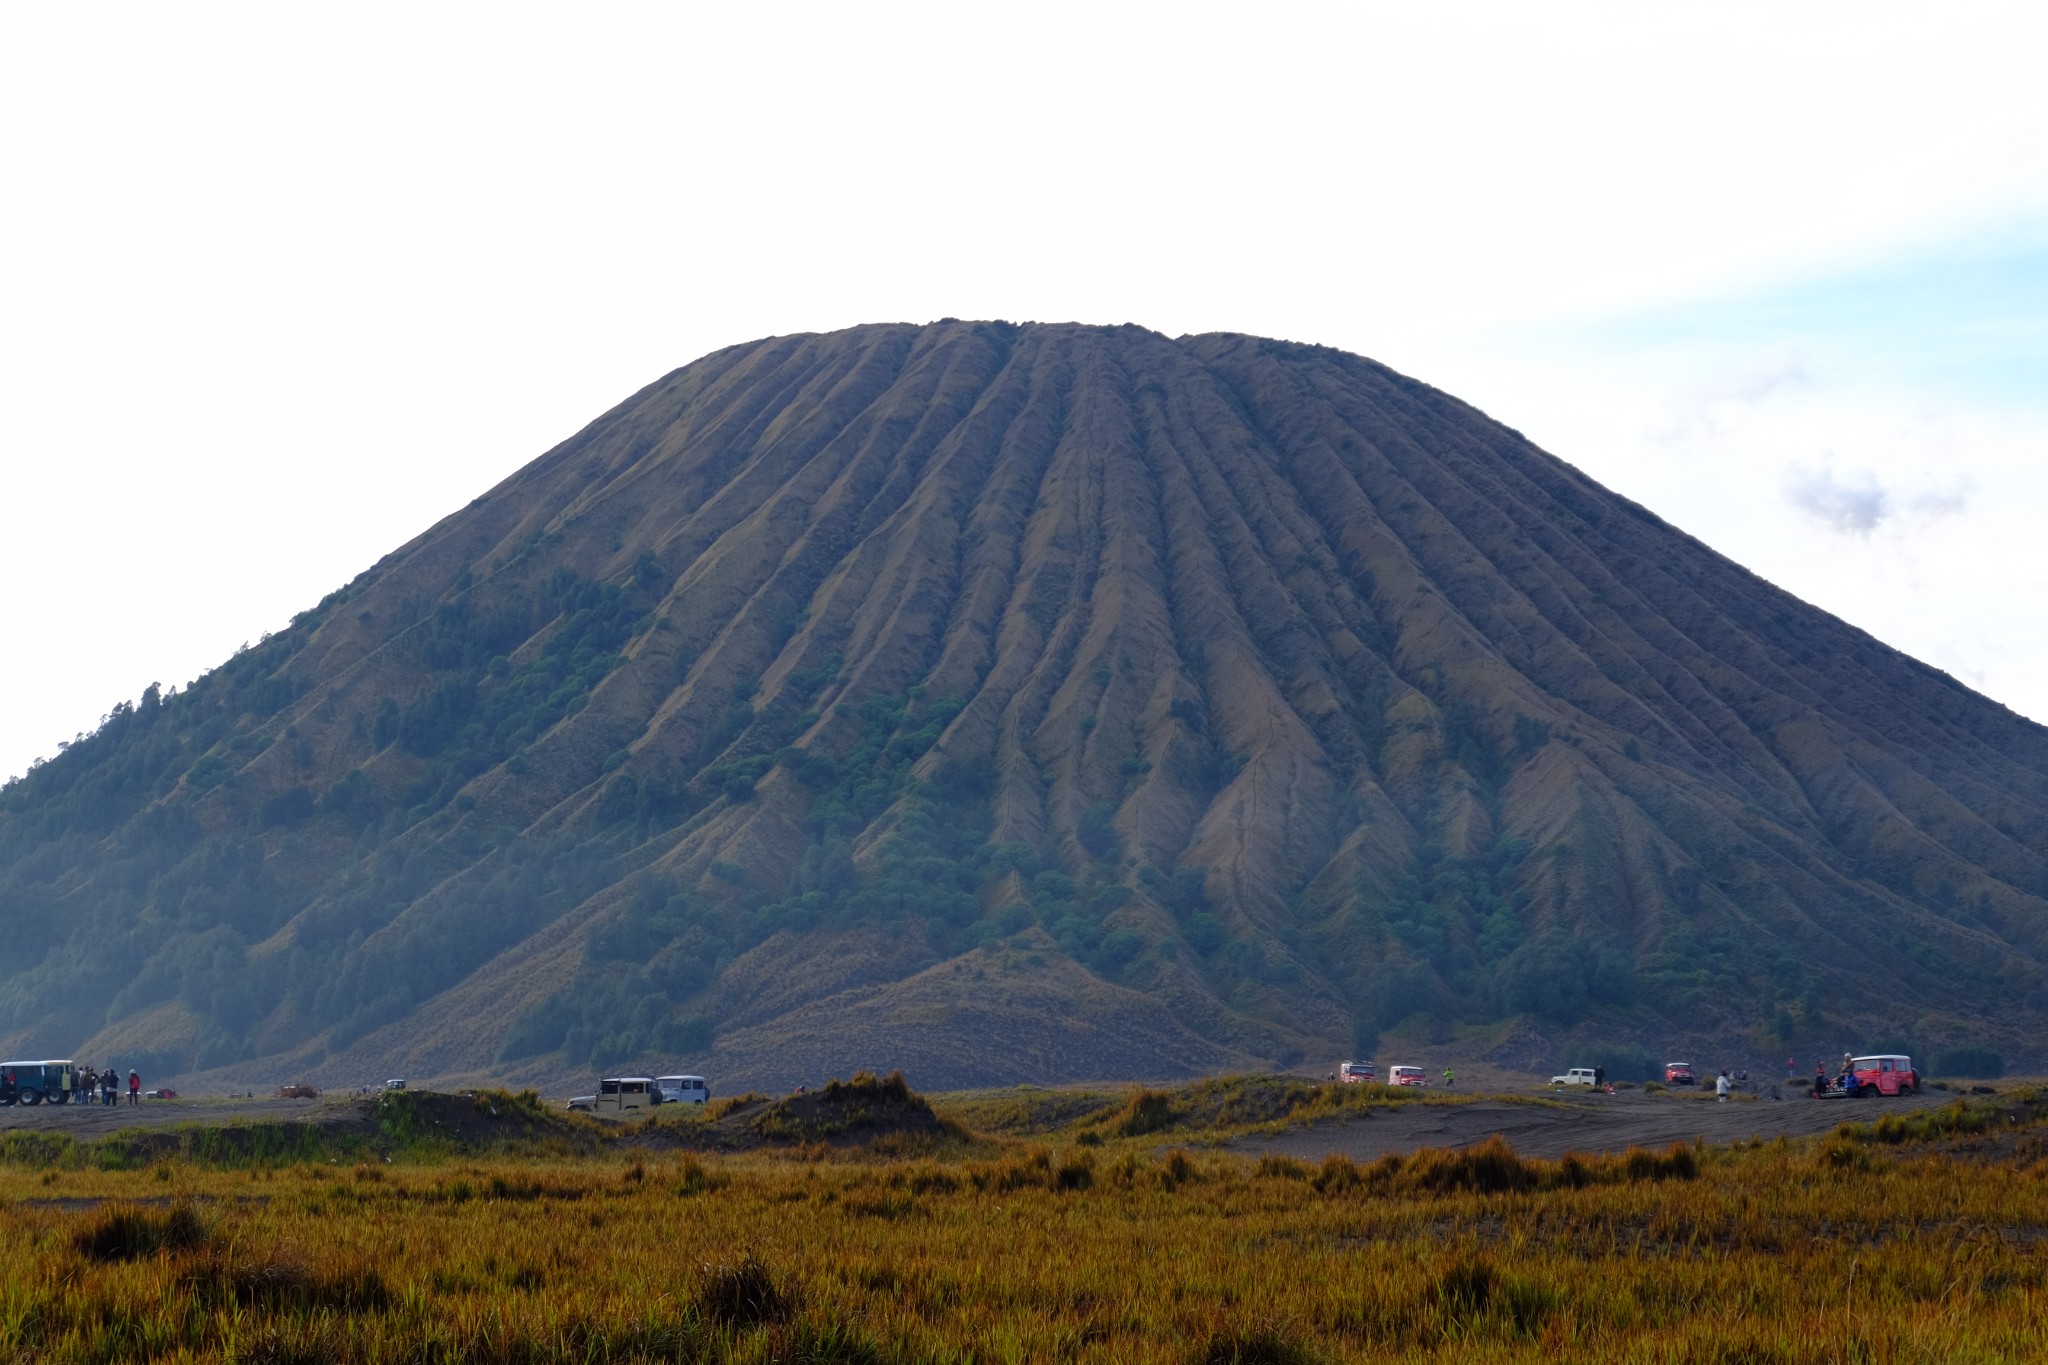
1087,1238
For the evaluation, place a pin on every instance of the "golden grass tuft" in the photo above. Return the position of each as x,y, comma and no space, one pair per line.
1251,1345
745,1293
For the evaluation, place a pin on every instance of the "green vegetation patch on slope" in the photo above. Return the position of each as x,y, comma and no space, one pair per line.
191,882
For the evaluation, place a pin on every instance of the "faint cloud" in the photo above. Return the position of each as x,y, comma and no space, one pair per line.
1857,504
1852,506
1934,506
1704,410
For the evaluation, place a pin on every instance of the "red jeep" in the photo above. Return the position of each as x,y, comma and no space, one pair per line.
1885,1075
1679,1073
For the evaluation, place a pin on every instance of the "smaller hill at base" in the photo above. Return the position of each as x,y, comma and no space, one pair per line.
865,1109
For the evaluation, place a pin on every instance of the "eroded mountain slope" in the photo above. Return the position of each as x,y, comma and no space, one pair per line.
1031,702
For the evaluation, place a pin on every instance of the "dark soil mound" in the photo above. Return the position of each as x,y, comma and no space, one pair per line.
842,1113
477,1120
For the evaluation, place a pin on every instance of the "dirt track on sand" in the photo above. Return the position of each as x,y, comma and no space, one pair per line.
94,1121
1579,1123
1576,1123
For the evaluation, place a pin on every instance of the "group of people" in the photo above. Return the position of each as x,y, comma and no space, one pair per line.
77,1083
108,1083
1845,1079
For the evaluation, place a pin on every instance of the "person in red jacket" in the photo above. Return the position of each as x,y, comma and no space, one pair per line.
135,1087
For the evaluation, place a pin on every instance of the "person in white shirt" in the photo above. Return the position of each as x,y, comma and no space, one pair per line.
1721,1088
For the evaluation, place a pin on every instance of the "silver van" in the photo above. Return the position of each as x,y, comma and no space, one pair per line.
682,1089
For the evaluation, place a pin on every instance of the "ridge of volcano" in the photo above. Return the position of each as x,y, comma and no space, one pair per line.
1031,702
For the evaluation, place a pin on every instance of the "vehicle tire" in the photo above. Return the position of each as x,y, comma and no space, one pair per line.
31,1096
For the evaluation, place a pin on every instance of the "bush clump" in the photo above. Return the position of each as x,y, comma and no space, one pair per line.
868,1085
127,1233
275,1278
1177,1170
1250,1345
1494,1167
1337,1174
1953,1119
743,1295
1471,1288
1147,1112
1971,1063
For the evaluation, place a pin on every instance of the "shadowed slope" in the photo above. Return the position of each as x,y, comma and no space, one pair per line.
1032,702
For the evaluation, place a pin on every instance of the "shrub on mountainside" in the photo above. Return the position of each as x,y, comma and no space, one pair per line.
604,1018
1560,978
1970,1063
1622,1061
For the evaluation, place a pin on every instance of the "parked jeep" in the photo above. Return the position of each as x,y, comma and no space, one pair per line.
1885,1074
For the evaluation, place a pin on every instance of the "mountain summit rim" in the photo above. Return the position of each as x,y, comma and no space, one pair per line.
1031,703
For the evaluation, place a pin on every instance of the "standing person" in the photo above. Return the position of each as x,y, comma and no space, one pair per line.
7,1090
1600,1080
110,1085
1449,1079
1721,1088
135,1087
1790,1069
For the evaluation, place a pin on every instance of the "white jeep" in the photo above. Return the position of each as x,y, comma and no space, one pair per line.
1578,1075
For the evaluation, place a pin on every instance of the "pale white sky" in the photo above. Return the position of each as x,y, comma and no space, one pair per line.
282,285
